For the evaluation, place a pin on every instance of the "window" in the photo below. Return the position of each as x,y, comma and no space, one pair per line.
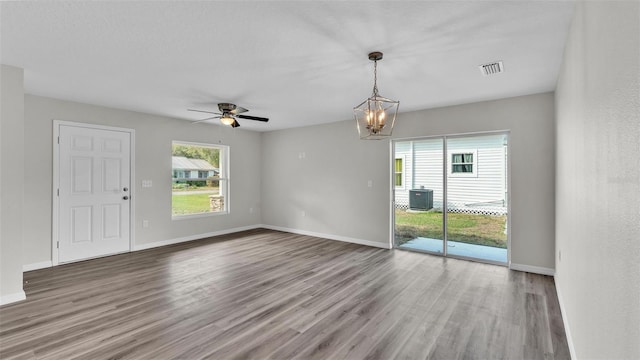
398,172
199,184
463,163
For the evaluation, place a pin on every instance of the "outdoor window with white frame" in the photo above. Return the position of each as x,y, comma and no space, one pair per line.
199,184
463,163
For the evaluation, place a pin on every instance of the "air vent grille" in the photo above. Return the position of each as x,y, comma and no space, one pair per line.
492,68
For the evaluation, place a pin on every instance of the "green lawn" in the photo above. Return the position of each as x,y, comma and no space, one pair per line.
193,188
468,228
190,203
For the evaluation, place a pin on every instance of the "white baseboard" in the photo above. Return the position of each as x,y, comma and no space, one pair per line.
192,237
11,298
565,320
36,266
329,236
532,269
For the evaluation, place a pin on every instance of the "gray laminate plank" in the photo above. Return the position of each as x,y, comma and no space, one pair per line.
269,294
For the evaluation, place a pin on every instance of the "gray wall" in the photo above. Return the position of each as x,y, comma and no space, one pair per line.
11,182
330,183
152,162
598,181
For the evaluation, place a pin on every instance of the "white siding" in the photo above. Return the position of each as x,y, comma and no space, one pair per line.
427,159
489,185
424,168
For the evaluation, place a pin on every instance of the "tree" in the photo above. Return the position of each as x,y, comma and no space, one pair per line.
211,155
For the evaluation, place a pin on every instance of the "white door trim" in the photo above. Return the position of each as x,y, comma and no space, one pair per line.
55,183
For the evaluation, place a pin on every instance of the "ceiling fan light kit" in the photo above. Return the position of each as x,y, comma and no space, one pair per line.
376,115
227,120
228,114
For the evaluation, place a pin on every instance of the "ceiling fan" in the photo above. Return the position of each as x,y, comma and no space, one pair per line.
228,114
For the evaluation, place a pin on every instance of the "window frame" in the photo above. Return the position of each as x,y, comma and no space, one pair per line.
474,163
402,173
222,178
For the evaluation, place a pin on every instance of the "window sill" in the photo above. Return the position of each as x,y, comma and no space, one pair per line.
198,215
463,175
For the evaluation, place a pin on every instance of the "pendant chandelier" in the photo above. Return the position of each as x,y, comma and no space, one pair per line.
376,115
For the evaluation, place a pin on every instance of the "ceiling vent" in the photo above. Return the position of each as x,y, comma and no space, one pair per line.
492,68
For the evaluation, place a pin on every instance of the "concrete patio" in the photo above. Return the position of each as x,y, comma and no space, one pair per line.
455,248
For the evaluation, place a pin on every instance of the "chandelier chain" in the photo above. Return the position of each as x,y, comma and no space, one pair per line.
375,78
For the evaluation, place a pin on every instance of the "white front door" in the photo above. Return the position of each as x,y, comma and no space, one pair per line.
94,192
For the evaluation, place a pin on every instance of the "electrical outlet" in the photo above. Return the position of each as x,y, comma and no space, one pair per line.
370,183
147,183
303,213
145,223
250,210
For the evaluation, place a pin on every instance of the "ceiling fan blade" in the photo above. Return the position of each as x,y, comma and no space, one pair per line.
215,117
252,118
238,110
235,124
202,111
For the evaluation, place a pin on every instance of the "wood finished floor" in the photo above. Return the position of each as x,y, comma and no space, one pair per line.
271,295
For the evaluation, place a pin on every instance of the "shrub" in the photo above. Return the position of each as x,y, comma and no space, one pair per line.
179,186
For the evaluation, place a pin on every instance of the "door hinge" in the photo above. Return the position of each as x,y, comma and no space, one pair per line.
58,139
58,192
58,244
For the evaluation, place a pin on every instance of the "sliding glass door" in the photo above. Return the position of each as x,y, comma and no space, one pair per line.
451,196
419,194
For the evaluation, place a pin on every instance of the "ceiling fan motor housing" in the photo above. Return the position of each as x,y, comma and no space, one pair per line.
226,107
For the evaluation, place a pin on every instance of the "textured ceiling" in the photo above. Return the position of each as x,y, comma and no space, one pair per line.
299,63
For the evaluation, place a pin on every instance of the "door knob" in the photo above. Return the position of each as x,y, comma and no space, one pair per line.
125,198
125,189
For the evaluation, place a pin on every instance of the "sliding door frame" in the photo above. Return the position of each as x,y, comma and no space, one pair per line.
445,209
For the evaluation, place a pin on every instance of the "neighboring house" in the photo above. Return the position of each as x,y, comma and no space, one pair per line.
476,173
191,169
